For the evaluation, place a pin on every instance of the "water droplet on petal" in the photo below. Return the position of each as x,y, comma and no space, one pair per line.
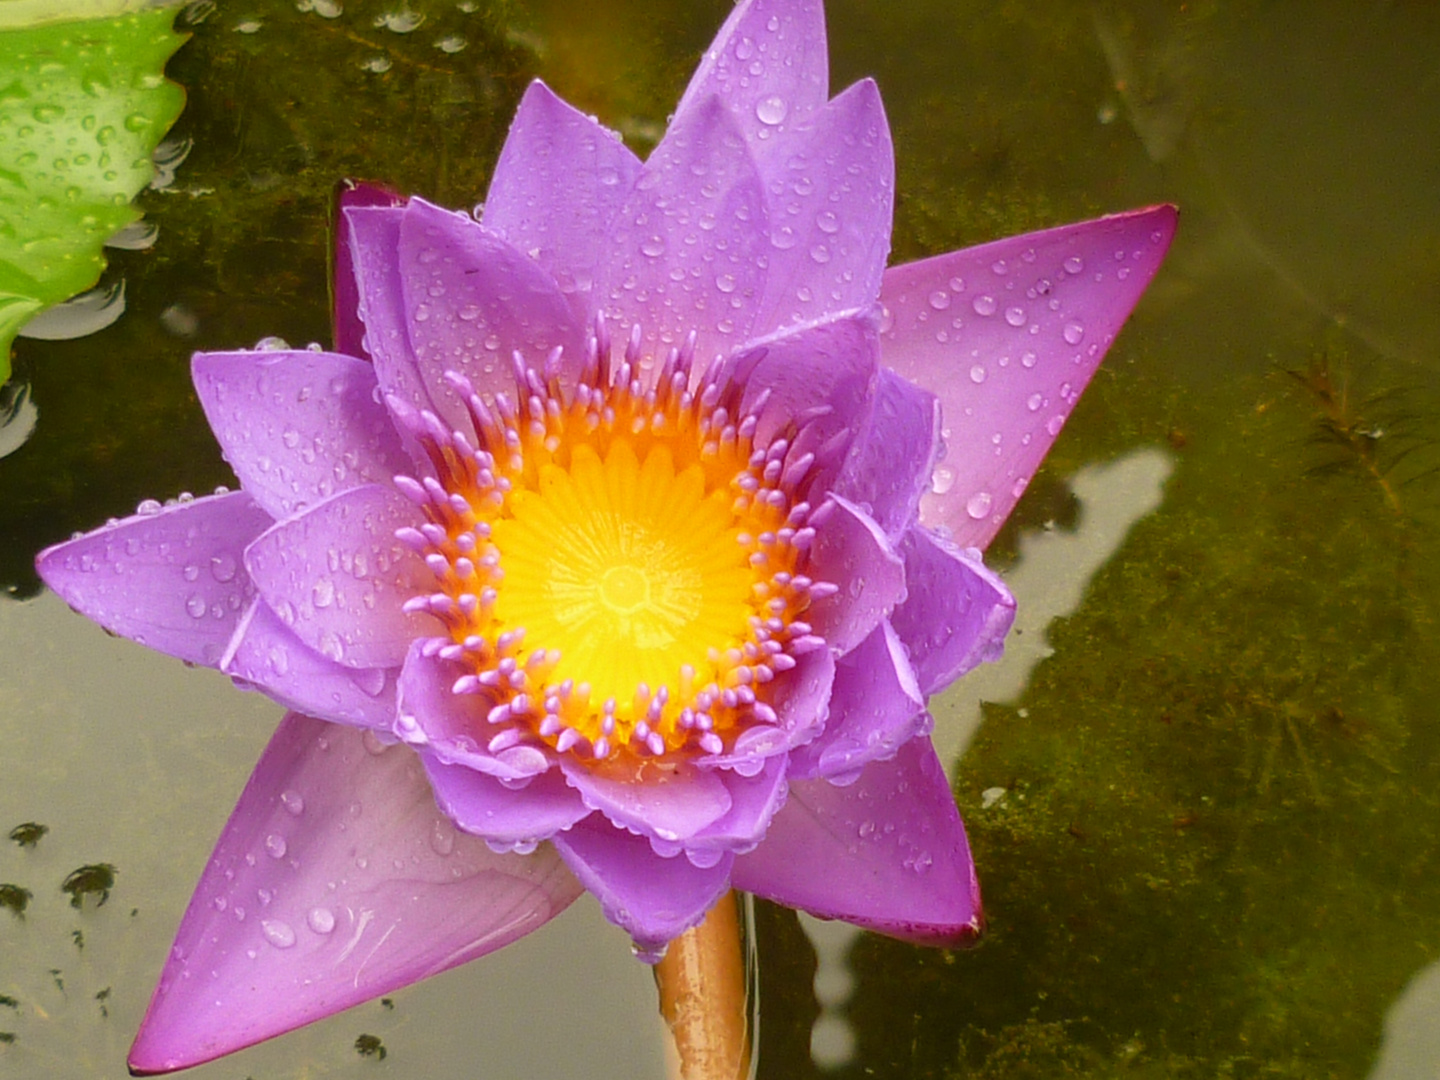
652,247
771,110
293,802
939,300
1074,264
984,304
1015,316
1072,333
275,846
277,933
1034,403
942,480
827,222
195,605
978,505
977,373
321,920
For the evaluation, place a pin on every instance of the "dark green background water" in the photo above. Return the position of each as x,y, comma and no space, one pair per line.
1210,845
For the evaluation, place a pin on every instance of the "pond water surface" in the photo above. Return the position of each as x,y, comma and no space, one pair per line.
1202,786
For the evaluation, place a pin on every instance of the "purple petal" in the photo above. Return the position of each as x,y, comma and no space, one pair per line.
265,655
754,802
852,552
831,190
297,427
349,331
876,707
471,301
768,65
482,805
690,241
454,727
1007,335
957,612
301,911
671,802
558,184
337,577
173,579
374,250
654,898
820,376
887,853
891,462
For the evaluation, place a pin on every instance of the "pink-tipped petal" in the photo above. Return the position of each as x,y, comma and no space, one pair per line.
337,577
877,706
335,881
689,245
374,233
472,300
768,64
483,806
265,655
670,801
831,190
348,330
558,184
892,460
822,372
887,852
172,579
1007,334
655,899
852,552
297,427
956,613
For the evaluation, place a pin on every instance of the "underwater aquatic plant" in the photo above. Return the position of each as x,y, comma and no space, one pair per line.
624,509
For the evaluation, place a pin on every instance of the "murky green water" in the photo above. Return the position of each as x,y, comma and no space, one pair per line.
1202,790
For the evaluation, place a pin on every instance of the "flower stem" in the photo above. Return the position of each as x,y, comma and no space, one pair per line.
701,980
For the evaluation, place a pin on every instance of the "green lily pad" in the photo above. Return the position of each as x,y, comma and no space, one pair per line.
83,104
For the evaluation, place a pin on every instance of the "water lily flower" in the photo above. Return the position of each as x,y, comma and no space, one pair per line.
618,546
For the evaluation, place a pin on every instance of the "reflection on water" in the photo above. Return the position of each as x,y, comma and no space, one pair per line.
1048,580
1202,796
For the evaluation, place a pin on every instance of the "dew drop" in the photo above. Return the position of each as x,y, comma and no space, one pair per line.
984,304
725,283
1028,359
275,846
939,300
978,505
820,254
1034,403
323,594
223,567
771,110
827,222
1015,316
744,49
942,480
653,247
277,933
1074,264
321,920
977,373
442,837
195,605
293,802
1054,424
1072,333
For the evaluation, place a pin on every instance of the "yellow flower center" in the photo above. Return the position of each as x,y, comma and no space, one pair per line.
618,569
